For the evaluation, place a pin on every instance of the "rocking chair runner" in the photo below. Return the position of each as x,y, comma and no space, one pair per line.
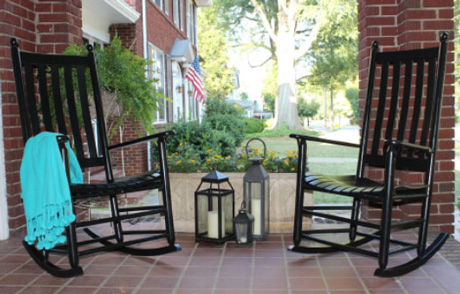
53,96
399,134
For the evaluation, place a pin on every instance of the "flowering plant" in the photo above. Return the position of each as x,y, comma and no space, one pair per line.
187,160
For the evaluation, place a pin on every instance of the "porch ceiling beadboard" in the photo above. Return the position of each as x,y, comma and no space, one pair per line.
97,24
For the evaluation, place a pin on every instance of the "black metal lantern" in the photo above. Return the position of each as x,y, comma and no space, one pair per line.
244,225
214,209
256,193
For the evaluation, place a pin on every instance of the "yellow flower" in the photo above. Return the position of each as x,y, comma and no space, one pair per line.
178,162
208,159
286,162
217,156
293,169
228,157
192,160
209,150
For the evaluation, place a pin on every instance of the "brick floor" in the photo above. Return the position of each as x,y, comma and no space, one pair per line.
267,267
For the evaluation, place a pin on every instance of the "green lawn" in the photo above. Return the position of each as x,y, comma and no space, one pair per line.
314,149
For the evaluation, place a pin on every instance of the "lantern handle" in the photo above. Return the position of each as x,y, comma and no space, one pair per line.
258,139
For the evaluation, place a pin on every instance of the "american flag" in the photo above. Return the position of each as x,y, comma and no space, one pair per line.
193,74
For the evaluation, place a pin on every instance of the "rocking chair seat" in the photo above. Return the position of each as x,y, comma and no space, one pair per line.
350,185
142,182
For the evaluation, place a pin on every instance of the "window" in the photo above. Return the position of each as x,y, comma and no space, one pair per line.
177,14
95,42
157,72
191,22
163,5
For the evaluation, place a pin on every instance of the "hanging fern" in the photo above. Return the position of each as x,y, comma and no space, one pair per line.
126,76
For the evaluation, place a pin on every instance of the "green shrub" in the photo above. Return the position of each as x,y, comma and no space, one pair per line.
225,118
200,138
254,125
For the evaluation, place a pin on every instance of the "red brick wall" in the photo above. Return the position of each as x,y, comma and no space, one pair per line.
412,24
135,157
39,26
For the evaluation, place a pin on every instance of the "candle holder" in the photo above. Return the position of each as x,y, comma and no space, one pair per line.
214,209
244,224
256,193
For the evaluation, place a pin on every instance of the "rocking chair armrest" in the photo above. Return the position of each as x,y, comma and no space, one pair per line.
142,140
322,140
406,146
62,139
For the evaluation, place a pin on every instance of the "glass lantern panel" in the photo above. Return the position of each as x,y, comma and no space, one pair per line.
267,206
242,233
255,190
202,214
227,208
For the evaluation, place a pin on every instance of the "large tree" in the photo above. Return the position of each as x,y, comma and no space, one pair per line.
286,28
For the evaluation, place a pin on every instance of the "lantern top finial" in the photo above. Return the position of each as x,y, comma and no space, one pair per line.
215,177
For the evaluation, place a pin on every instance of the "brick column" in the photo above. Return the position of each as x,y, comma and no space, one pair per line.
39,26
59,24
412,24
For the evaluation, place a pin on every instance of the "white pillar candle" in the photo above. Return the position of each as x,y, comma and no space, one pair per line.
213,224
256,212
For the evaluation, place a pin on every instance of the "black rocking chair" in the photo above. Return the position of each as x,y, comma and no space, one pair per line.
399,135
53,96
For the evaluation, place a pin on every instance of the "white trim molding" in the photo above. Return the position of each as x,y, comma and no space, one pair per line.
98,15
4,228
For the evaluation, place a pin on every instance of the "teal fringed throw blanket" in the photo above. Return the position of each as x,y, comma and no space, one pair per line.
45,190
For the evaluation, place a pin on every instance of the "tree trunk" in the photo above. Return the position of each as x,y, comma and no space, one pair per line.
332,110
286,104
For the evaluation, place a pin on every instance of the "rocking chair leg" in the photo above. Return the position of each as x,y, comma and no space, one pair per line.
354,217
72,245
116,214
299,192
168,217
385,239
166,193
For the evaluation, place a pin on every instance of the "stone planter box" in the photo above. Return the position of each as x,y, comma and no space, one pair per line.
282,199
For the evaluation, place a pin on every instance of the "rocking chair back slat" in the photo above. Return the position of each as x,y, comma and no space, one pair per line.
86,115
29,75
57,99
43,88
406,96
429,103
394,100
